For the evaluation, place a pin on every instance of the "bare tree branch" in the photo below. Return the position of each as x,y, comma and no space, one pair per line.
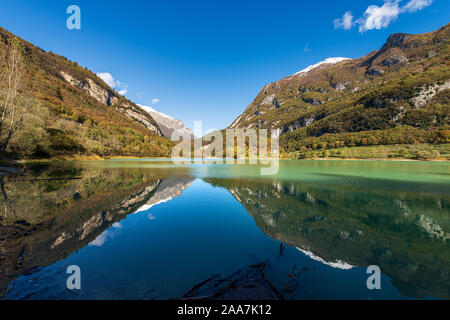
15,104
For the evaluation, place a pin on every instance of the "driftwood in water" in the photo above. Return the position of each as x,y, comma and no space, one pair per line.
224,289
271,285
250,283
198,285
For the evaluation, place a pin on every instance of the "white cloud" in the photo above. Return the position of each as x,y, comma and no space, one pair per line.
416,5
121,88
377,17
154,101
346,22
109,79
107,234
100,240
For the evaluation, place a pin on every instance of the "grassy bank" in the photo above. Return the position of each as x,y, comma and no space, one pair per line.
385,152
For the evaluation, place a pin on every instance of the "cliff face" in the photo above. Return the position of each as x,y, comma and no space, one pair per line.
110,98
74,112
402,87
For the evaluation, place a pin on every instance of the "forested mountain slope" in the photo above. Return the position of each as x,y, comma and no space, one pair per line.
396,95
70,111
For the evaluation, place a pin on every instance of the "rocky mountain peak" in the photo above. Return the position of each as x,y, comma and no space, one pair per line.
395,40
168,124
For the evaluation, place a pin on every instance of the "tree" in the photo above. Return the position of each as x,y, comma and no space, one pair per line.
13,102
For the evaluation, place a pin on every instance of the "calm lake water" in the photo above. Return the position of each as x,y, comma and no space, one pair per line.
152,229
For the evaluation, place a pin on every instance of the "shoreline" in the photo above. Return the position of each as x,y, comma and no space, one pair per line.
395,152
375,159
98,158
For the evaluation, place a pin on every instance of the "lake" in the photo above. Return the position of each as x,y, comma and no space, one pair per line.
150,229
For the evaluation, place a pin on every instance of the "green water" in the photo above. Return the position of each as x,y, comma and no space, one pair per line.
152,230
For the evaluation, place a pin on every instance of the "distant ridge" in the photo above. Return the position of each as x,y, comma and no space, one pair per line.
168,124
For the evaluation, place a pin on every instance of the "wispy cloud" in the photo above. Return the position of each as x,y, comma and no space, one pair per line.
139,95
416,5
346,22
307,48
121,88
155,101
378,17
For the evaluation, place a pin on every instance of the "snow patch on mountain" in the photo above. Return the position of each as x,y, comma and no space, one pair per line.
326,61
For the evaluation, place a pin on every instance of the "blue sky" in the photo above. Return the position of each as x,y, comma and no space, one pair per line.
207,60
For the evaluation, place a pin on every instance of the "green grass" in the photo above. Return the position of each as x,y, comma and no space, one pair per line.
398,151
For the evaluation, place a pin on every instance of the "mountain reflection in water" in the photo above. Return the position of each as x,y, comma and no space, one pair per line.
401,226
45,221
405,233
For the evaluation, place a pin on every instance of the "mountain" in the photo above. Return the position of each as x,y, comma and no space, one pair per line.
73,112
396,95
167,124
